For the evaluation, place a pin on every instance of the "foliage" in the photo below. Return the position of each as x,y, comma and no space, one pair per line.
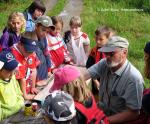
58,8
132,24
7,8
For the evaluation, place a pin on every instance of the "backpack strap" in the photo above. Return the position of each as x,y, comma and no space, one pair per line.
92,114
67,36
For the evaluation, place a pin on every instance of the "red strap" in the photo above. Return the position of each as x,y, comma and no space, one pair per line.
92,112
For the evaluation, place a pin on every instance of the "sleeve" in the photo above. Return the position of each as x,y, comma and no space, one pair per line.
4,40
20,72
33,61
134,101
97,69
86,40
47,56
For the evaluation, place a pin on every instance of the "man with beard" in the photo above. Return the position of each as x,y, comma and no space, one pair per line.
121,84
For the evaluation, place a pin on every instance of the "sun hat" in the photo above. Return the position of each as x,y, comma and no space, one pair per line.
113,43
7,61
147,48
44,21
59,106
63,76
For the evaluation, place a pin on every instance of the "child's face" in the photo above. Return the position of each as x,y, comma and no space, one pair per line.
37,13
16,25
101,40
41,31
75,30
6,75
58,29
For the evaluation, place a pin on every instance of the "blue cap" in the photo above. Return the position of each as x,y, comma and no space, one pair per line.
7,61
147,48
29,44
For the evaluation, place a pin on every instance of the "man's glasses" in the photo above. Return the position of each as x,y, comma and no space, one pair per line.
111,54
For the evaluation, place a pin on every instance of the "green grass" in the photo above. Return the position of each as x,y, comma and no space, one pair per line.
58,8
131,24
7,8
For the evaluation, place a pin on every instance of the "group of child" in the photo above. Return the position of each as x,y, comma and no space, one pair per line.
32,48
35,41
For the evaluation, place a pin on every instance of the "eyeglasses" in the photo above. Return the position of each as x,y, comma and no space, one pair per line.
111,54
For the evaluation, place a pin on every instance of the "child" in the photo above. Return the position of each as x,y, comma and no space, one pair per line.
77,42
59,108
11,100
146,97
59,54
102,34
36,9
26,70
11,34
43,23
68,79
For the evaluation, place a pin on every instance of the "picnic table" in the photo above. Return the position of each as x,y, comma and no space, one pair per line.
20,118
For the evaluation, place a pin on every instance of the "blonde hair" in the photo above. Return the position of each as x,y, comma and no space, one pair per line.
76,20
78,89
147,66
15,16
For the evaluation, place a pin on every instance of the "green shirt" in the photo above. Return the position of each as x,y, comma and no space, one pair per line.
11,100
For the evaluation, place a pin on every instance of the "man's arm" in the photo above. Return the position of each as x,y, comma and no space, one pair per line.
123,117
85,73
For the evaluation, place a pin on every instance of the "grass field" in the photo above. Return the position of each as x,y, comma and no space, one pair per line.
126,20
7,8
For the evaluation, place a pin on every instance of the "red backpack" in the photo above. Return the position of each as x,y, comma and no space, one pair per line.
94,115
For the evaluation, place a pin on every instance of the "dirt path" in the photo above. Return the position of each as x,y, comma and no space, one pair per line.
73,7
49,4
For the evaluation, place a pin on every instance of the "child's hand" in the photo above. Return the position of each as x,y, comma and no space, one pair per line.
49,74
29,96
34,90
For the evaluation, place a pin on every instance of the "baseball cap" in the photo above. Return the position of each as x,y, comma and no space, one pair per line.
7,61
147,48
29,44
113,43
59,106
44,21
63,76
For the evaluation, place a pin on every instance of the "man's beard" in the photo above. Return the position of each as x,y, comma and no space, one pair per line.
113,64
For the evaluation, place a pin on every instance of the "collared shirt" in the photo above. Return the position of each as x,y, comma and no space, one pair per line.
30,25
120,89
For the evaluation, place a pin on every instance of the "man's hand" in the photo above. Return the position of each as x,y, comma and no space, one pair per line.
124,117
